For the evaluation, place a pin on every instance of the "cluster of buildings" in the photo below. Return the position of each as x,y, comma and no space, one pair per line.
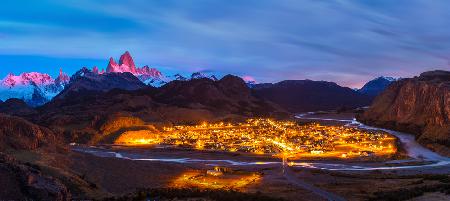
266,136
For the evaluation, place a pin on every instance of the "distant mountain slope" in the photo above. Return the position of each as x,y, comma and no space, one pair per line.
419,105
308,95
86,80
376,86
227,95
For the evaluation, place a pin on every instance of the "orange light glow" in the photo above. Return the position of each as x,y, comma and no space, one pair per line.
139,137
271,137
213,179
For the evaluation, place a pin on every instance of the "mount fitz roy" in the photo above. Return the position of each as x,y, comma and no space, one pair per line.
36,88
149,76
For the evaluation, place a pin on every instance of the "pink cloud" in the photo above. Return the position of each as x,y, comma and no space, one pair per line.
248,78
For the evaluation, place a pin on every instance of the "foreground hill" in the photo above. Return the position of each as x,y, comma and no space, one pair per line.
18,133
21,181
308,95
419,105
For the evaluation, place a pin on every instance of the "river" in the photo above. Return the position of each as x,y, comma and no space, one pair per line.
419,154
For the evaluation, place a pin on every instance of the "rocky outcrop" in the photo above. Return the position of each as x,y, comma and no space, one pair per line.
18,133
419,105
112,66
26,182
308,95
127,60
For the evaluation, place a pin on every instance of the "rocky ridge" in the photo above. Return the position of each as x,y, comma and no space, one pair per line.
307,95
419,105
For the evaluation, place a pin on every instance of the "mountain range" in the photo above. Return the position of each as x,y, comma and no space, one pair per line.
36,89
89,97
96,106
307,95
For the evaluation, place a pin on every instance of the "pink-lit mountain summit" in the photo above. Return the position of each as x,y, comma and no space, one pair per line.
126,64
33,87
38,88
35,78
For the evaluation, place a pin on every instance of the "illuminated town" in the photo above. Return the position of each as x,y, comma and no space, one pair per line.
270,137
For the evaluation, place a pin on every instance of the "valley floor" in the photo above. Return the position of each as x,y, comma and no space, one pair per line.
106,171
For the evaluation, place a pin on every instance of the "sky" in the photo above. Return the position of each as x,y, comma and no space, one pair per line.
347,42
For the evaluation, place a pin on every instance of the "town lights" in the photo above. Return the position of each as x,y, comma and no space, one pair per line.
271,137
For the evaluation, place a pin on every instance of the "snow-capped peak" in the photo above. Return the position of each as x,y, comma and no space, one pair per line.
32,87
390,79
377,85
179,77
200,75
36,78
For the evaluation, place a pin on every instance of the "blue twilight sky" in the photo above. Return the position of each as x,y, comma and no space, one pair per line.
348,42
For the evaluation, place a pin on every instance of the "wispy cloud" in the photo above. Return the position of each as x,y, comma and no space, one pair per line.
348,42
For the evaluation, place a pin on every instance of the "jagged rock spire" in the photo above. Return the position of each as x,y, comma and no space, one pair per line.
127,61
